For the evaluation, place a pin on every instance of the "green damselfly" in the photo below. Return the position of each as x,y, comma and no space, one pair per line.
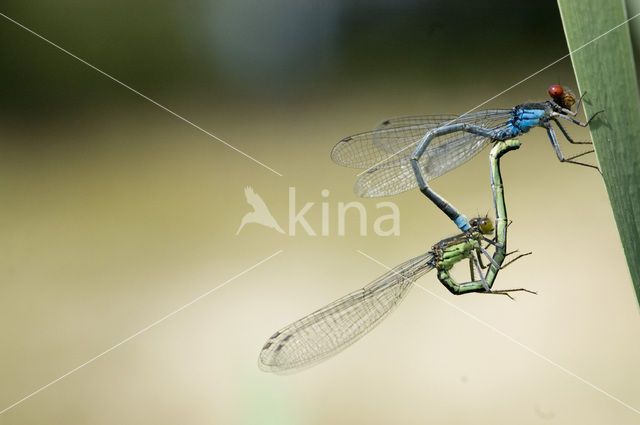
331,329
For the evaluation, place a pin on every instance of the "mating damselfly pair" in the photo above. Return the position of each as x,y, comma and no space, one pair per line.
398,155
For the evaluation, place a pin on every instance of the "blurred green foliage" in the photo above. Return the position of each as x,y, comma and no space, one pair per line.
205,48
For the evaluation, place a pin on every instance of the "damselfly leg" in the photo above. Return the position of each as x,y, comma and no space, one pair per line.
556,147
519,256
506,292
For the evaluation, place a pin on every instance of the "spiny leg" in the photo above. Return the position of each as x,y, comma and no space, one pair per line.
570,160
580,154
507,254
554,142
506,292
570,140
573,120
566,135
451,212
504,266
498,293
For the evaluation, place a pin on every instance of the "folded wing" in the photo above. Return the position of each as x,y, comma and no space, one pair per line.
338,325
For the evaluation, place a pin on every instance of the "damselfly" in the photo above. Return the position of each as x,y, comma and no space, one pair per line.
336,326
405,152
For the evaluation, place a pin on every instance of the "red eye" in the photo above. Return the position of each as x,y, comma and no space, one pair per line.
555,91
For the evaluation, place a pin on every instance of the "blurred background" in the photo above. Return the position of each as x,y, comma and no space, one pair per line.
116,213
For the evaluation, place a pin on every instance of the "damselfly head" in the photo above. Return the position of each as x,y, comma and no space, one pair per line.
562,96
483,224
555,91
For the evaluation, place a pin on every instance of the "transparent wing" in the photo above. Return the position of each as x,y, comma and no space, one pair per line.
336,326
385,151
365,150
490,117
395,175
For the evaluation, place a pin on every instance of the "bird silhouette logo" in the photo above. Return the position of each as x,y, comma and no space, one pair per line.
260,213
